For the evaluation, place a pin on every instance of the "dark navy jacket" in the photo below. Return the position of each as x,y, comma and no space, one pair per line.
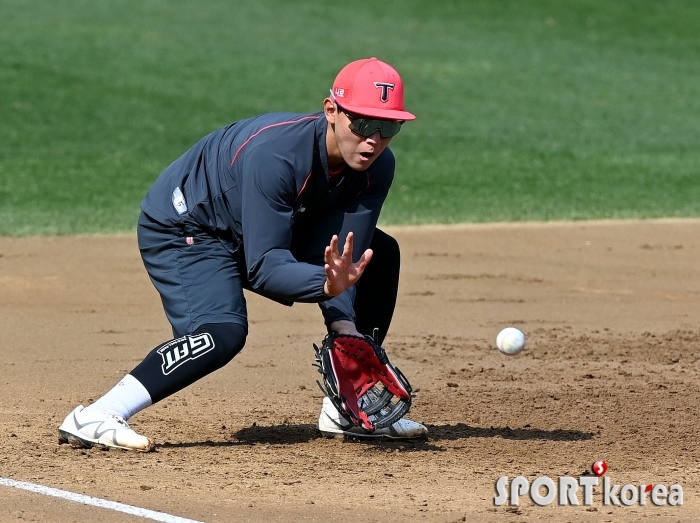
262,186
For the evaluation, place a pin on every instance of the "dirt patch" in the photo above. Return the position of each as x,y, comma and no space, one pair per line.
610,372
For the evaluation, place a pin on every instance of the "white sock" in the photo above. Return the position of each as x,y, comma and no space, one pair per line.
127,398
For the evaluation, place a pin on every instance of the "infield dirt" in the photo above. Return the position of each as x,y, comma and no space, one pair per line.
610,372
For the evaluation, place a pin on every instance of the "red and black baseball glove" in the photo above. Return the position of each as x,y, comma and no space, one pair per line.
361,382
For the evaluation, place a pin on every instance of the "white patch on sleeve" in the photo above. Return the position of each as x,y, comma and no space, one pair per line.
179,201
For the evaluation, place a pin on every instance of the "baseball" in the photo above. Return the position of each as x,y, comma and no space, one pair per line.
510,341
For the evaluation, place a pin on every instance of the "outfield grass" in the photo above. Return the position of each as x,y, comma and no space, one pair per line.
526,109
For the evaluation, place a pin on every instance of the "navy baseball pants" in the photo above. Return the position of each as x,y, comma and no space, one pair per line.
201,286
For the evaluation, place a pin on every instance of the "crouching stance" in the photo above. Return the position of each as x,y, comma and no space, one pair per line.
261,205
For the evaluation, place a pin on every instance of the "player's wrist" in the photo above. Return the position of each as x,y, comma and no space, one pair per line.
345,327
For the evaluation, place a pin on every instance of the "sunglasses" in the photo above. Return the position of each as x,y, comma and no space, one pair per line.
366,127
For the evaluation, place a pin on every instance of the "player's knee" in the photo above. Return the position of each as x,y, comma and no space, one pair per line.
229,339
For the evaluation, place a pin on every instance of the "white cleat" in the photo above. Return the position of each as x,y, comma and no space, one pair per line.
102,429
333,425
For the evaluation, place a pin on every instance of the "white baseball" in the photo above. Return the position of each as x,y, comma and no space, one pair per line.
510,341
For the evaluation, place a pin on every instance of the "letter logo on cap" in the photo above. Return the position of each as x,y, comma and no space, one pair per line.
385,90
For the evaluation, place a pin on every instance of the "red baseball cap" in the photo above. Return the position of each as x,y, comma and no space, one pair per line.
371,87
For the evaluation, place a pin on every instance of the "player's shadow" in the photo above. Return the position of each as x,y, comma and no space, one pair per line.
303,433
285,434
464,431
291,434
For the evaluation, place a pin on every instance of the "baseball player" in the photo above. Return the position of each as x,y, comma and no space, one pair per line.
265,204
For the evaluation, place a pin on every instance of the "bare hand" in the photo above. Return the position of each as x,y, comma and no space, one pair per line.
341,272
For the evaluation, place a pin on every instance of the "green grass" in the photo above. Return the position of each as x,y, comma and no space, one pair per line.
527,110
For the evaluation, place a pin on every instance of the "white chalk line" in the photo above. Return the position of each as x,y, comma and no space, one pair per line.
95,502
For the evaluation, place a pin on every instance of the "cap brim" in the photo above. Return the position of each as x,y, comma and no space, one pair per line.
384,114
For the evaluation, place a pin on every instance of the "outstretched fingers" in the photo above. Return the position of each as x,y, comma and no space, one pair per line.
341,272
